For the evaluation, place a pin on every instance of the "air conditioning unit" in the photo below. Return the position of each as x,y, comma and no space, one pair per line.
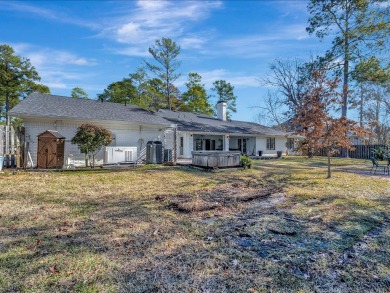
118,154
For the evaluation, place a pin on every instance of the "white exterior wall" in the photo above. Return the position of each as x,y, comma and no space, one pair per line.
124,134
188,141
280,145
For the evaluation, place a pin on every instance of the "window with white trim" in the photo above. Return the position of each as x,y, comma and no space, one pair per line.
270,143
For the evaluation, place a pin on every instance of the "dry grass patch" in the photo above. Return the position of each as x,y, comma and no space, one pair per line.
280,227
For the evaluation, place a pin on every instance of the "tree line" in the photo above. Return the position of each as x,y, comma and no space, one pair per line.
151,86
18,78
357,60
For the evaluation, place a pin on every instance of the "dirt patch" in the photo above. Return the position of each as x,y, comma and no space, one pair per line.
224,197
192,206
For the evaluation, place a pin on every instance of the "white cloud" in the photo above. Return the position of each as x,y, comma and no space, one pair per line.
54,66
132,51
44,57
57,16
67,58
282,33
263,44
56,85
135,25
291,9
151,5
138,28
192,42
128,31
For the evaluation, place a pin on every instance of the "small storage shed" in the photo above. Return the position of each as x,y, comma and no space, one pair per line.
51,147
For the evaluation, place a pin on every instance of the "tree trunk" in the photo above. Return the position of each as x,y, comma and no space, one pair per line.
310,153
346,64
328,155
86,160
168,91
344,106
361,105
7,120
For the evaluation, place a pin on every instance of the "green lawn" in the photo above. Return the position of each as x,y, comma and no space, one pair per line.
278,227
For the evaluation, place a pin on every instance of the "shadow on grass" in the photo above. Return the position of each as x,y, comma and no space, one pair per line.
138,245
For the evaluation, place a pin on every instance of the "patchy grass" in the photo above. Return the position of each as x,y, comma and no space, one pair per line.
280,226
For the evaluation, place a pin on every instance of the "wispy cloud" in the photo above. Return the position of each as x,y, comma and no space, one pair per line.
264,44
54,15
139,27
134,26
277,33
291,8
45,56
56,67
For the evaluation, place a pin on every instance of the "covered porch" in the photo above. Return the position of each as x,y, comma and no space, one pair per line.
244,144
187,143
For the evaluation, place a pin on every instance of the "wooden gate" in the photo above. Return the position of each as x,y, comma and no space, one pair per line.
51,146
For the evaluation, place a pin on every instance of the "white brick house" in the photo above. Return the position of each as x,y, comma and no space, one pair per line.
133,127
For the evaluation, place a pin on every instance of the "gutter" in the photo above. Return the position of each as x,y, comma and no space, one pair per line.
24,116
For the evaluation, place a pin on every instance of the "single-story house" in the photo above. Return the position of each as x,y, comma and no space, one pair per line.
134,127
199,132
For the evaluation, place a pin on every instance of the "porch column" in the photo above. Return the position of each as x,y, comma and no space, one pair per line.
189,146
226,143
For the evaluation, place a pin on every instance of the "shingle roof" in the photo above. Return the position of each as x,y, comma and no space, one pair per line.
51,106
54,133
192,122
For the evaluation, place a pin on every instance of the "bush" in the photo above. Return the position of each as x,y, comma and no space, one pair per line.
90,139
246,162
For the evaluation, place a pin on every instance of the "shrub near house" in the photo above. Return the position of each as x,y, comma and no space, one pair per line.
90,139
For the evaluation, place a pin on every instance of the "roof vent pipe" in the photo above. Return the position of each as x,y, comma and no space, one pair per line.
221,110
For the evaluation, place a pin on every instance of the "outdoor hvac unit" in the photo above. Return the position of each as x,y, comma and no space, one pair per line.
114,155
154,152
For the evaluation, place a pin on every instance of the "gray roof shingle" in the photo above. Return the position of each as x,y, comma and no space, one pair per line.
192,122
52,106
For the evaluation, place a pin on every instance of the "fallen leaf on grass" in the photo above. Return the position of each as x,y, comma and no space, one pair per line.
54,270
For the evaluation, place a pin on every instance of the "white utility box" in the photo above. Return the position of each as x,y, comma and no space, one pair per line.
119,154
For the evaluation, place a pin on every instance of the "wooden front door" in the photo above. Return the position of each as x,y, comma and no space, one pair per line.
47,156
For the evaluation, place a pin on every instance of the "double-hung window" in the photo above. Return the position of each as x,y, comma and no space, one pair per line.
270,143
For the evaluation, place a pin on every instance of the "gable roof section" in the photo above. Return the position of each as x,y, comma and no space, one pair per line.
51,106
52,133
192,122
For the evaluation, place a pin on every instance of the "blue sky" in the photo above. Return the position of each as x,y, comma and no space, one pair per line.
93,43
